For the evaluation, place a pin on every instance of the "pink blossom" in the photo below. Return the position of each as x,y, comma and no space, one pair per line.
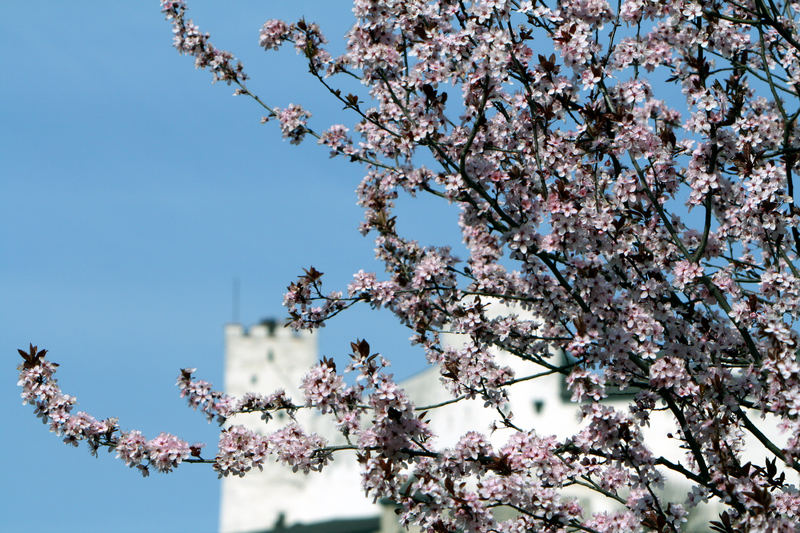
131,448
272,34
322,386
299,450
166,451
293,122
686,272
240,450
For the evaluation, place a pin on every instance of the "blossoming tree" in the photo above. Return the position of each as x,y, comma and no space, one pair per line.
655,240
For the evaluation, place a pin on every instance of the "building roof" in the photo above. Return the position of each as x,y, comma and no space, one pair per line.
353,525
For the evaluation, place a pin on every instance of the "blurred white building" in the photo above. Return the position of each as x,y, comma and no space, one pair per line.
269,357
264,359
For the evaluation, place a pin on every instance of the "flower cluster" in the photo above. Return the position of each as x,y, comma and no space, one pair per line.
240,450
322,386
188,39
337,139
671,372
299,450
40,389
303,294
293,122
272,34
220,406
200,396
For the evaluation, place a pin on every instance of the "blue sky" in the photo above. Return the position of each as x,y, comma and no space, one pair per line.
132,192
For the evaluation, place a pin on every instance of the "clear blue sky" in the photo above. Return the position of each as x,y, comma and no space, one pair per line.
132,192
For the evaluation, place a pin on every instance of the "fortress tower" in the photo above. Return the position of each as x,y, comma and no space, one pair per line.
263,359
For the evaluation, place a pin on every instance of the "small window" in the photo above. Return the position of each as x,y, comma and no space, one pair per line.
538,406
253,379
270,356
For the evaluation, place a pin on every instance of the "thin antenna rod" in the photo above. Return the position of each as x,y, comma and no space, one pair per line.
236,300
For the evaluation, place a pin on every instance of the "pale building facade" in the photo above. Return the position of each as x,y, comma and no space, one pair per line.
264,359
269,357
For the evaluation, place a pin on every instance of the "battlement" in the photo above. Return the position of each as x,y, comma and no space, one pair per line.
269,328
